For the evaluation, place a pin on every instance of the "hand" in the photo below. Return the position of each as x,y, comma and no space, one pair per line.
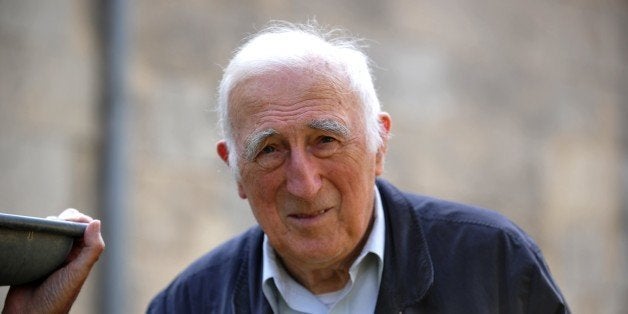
57,293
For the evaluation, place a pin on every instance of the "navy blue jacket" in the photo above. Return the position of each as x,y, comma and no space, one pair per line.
440,257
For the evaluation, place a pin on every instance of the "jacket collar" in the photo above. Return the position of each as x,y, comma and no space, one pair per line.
408,271
248,296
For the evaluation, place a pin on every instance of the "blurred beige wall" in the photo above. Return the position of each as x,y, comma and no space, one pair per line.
518,106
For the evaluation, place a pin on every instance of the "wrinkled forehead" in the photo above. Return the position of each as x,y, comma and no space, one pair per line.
285,88
287,85
307,94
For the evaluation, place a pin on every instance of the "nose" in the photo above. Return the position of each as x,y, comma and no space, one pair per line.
303,178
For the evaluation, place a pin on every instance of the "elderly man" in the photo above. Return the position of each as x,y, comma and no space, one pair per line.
306,140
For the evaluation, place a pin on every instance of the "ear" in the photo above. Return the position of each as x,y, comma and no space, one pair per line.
384,129
223,151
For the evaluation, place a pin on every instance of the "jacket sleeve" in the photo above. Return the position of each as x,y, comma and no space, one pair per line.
160,304
175,299
544,296
206,292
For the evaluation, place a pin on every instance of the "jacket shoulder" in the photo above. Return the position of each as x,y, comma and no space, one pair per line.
477,254
442,215
434,213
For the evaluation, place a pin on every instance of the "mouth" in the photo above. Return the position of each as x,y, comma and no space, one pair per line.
309,215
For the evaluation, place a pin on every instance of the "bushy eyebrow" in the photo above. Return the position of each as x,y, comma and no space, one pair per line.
331,126
255,140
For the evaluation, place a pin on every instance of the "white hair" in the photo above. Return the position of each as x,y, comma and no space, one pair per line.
301,46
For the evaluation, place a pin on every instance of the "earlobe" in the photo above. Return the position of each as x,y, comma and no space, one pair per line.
379,162
223,151
241,191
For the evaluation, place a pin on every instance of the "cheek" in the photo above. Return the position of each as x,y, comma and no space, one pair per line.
260,189
354,166
261,198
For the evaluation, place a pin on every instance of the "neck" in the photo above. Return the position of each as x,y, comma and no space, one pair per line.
321,280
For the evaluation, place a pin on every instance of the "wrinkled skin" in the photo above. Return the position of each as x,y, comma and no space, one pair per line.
306,170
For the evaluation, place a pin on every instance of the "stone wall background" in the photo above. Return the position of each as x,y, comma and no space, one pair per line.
518,106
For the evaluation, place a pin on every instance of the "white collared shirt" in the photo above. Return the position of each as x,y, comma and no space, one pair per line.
285,295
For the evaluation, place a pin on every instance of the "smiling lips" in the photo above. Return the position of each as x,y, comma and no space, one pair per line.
309,215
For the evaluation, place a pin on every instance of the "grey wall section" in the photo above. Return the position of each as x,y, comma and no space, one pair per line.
519,106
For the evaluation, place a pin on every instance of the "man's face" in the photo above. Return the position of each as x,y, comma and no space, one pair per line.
304,164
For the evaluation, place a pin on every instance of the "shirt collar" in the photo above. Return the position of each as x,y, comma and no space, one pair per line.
375,242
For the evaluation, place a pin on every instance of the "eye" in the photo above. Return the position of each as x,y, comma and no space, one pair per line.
268,150
326,146
270,156
327,139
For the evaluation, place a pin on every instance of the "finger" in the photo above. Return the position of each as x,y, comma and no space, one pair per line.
93,246
72,214
93,236
69,212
